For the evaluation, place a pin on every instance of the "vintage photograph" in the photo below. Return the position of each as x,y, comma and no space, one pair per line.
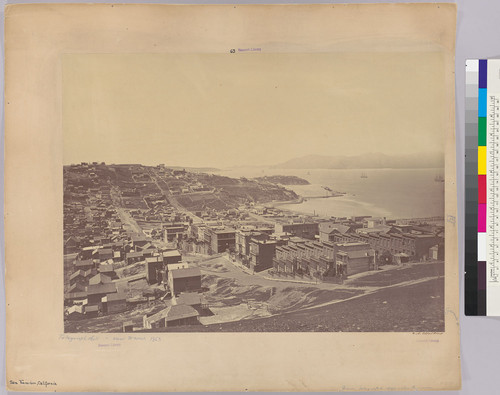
250,191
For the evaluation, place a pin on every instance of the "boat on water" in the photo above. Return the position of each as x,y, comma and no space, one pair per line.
439,178
364,175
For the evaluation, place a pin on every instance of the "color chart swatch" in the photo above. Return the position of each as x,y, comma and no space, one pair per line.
482,200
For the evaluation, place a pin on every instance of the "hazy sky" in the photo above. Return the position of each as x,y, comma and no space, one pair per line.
221,110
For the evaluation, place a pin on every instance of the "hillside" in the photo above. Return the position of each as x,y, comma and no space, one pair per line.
283,180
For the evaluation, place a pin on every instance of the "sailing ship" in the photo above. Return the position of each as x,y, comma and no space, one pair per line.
439,178
364,175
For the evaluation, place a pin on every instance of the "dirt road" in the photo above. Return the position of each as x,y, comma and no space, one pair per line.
127,220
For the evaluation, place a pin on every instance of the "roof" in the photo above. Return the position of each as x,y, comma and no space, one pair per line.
90,309
71,239
263,242
99,278
171,253
146,246
354,243
379,229
158,316
180,311
106,268
356,254
135,254
76,295
103,251
296,224
177,265
86,262
77,274
330,228
96,289
81,288
189,299
184,273
139,238
115,297
75,309
174,227
296,239
423,236
248,233
223,231
90,248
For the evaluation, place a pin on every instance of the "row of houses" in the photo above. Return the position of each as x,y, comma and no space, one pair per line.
323,259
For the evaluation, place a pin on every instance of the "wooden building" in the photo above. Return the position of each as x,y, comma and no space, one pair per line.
184,280
96,292
114,303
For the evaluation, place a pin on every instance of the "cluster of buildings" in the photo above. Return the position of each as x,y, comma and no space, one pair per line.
179,181
92,281
102,245
393,241
94,288
321,248
88,212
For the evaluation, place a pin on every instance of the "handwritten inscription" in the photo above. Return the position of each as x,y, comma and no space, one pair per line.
39,383
79,338
108,340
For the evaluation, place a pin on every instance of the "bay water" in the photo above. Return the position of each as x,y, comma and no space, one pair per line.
390,193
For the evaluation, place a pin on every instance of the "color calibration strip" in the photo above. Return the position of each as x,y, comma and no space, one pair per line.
482,228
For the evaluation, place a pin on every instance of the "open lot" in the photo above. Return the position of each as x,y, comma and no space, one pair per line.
398,298
391,274
414,308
